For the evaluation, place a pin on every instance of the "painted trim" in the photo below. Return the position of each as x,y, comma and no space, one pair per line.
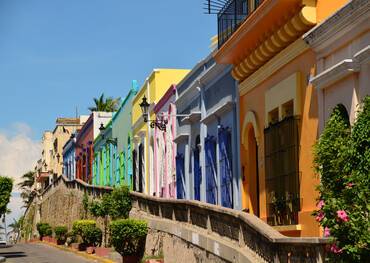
250,118
284,57
222,109
169,93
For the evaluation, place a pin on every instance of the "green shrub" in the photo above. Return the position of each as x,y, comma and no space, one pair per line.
44,229
342,159
88,231
128,236
120,202
92,236
61,233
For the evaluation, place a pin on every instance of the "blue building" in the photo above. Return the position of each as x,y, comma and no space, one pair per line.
208,160
69,158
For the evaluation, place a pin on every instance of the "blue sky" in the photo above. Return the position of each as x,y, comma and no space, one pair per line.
59,54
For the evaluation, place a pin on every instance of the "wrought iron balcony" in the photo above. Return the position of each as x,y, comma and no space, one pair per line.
230,15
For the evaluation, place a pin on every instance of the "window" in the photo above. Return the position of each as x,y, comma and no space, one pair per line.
273,116
282,171
211,170
180,176
225,161
288,109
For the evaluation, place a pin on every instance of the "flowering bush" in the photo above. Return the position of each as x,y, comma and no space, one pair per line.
342,159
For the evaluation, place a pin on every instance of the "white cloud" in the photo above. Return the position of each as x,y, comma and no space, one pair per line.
18,155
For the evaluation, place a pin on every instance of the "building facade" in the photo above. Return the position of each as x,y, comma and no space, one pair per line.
164,146
207,149
342,51
278,106
85,144
143,137
63,130
43,166
122,130
69,157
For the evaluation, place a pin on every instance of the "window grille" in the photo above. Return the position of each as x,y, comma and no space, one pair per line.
282,171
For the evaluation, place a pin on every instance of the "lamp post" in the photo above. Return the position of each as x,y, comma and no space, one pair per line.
160,124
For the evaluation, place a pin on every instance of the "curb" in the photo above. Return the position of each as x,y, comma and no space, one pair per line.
82,254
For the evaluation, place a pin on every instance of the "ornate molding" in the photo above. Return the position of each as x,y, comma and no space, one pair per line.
343,21
276,42
284,57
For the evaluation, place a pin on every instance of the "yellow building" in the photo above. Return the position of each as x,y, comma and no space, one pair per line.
153,89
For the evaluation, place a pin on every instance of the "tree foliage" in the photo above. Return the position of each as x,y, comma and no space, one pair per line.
61,233
44,229
342,159
28,180
6,186
128,236
91,235
105,104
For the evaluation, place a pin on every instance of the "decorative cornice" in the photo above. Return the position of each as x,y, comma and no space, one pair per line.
193,117
225,107
342,69
276,42
284,57
181,137
343,21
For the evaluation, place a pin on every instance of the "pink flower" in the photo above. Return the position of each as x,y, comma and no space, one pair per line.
320,216
320,204
350,185
335,249
343,215
326,232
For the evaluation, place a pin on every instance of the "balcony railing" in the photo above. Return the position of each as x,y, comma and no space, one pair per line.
230,15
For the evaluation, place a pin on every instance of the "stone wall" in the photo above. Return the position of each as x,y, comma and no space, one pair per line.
61,204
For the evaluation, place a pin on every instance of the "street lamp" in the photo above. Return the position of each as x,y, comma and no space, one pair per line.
160,124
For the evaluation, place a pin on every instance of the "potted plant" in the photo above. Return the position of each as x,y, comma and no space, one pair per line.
128,238
61,234
45,231
90,234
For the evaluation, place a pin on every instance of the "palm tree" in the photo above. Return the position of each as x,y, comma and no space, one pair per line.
28,180
105,104
16,227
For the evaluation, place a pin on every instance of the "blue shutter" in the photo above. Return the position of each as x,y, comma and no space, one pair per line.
225,167
180,180
197,175
211,174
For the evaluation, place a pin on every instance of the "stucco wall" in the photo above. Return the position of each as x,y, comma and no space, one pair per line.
254,101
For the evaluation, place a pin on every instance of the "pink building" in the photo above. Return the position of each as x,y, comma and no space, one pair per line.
164,147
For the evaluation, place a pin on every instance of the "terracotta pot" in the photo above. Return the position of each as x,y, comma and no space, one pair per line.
102,251
90,250
131,259
75,246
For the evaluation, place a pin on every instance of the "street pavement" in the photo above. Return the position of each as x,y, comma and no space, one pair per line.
39,253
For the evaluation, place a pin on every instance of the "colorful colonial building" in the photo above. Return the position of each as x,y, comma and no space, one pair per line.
207,161
143,135
164,146
85,144
342,49
278,106
122,130
69,157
